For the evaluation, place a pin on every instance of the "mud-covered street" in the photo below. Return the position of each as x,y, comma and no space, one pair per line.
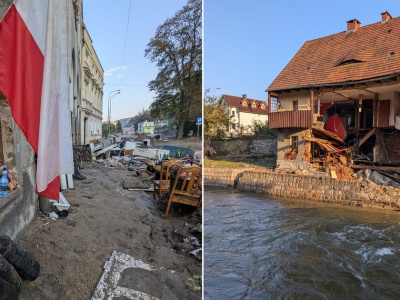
104,217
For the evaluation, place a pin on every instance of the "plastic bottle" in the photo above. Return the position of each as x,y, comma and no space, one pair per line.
3,182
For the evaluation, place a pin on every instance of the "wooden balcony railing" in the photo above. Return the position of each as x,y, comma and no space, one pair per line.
290,119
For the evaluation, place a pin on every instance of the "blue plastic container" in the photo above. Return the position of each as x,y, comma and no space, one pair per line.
3,182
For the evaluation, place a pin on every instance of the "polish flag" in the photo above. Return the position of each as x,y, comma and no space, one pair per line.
34,78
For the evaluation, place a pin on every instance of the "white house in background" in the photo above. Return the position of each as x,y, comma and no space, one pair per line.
244,112
129,129
160,123
146,127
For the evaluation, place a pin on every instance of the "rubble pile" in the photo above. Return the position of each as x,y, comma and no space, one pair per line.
328,154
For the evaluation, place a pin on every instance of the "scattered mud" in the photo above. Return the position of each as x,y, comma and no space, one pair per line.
104,217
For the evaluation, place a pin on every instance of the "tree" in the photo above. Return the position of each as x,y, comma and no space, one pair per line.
141,116
216,121
215,117
261,128
176,48
119,127
105,129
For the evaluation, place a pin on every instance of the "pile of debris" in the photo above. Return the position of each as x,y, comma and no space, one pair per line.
379,177
328,154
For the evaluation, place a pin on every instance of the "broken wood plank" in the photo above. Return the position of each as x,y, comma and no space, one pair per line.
327,134
365,138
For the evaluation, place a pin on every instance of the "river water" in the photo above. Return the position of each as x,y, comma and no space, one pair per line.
258,247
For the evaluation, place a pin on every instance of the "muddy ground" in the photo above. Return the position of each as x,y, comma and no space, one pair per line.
104,217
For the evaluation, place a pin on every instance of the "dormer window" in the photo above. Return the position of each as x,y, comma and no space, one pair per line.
349,62
262,106
253,105
244,103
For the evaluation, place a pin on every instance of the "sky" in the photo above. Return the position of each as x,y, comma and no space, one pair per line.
124,64
247,43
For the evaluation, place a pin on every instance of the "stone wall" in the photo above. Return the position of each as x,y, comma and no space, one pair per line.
4,6
260,151
18,208
222,177
263,146
293,164
323,189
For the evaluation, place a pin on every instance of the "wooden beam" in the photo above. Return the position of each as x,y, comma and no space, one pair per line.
376,168
340,94
365,138
312,105
269,102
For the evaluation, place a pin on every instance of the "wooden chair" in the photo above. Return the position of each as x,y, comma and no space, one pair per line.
164,183
186,188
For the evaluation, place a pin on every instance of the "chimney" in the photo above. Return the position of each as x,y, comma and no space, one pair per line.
352,25
244,96
385,17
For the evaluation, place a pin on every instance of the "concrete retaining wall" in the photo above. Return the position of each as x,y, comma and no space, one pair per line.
322,189
222,177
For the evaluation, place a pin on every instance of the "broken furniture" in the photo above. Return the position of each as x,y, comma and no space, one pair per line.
186,188
163,184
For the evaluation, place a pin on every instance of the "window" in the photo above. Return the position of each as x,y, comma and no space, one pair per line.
262,106
316,107
295,143
244,103
295,105
274,104
233,113
253,105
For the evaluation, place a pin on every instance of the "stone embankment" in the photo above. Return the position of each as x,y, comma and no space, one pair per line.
259,151
222,177
315,188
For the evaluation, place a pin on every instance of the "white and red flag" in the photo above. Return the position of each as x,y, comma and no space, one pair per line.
34,78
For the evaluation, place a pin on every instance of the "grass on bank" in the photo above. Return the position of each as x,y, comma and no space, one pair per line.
212,163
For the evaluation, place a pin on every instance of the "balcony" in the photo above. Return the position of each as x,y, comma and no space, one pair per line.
290,119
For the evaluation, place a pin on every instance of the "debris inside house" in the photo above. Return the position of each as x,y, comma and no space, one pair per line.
341,158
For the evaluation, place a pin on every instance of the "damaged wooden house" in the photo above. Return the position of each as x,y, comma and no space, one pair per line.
336,104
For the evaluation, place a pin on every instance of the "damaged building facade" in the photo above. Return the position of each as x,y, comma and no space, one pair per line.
91,113
336,105
19,207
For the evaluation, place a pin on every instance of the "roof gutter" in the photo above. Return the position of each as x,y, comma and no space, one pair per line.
335,84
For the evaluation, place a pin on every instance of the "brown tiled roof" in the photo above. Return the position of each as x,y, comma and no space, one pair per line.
237,102
344,57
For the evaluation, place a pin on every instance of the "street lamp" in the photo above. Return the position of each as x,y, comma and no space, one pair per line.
109,107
